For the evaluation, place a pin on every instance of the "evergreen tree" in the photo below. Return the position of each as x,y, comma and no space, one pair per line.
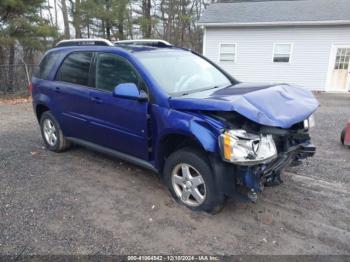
22,25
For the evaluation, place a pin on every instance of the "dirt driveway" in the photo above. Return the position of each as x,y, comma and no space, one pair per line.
82,202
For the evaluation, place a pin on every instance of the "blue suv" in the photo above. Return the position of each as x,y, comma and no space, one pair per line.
171,110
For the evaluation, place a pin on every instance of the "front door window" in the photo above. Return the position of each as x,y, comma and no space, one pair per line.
112,71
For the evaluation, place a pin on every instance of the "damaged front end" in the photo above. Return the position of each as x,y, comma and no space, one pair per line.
260,153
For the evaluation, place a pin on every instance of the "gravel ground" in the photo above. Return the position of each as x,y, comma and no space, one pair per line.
332,160
82,202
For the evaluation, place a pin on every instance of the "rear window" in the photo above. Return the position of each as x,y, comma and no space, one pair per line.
46,65
75,68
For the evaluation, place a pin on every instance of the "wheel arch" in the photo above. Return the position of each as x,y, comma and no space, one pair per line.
40,109
174,141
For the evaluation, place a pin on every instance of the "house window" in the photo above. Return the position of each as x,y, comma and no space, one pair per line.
281,53
227,52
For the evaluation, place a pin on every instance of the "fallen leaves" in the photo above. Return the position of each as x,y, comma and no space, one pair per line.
266,218
15,101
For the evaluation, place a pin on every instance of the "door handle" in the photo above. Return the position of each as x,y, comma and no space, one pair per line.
96,99
57,89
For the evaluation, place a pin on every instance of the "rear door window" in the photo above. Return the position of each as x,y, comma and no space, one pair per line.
75,68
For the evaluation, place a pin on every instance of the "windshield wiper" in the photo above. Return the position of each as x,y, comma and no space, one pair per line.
200,90
203,89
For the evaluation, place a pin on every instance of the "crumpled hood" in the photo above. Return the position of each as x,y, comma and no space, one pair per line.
279,105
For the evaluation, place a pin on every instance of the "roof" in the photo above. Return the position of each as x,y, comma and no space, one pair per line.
265,13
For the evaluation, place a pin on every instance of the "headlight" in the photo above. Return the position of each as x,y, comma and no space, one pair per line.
242,148
309,123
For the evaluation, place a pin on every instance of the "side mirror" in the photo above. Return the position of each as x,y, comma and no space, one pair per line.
129,91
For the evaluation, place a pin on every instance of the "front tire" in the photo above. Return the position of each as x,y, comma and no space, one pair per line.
191,181
52,133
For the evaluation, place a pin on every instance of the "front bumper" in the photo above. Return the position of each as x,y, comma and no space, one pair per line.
232,178
257,177
292,156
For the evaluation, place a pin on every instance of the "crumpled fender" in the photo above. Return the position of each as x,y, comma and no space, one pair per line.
272,105
205,130
189,124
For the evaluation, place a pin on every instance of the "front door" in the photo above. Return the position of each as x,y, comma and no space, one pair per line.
340,74
118,123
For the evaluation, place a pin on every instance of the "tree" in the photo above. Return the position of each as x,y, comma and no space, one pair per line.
105,18
22,26
146,23
65,19
76,14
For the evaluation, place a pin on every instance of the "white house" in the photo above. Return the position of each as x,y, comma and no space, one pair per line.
303,42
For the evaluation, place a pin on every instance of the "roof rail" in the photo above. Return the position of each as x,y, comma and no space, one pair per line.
84,42
144,42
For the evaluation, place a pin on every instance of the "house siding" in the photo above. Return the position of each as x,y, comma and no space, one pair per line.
310,58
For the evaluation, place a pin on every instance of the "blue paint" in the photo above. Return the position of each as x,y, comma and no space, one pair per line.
251,179
127,90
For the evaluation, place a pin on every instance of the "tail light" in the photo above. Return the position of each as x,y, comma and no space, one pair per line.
30,88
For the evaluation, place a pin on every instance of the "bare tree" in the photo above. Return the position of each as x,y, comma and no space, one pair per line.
108,25
65,19
147,19
55,8
50,14
76,15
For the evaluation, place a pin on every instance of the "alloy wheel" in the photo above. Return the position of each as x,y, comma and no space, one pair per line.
188,184
50,132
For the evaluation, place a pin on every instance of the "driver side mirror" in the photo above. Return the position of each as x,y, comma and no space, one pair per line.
130,91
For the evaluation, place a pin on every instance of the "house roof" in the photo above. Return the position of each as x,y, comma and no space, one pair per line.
275,13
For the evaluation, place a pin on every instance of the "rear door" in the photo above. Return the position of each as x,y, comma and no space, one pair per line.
118,123
72,87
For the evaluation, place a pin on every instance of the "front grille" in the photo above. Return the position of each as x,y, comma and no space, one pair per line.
285,142
297,126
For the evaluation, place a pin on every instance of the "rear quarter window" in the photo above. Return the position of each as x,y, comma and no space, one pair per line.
46,65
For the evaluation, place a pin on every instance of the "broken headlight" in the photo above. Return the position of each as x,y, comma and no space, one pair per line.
309,122
242,148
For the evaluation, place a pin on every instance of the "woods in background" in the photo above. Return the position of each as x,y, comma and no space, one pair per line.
23,32
172,20
29,27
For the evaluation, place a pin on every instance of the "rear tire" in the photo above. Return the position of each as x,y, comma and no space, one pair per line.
191,181
52,133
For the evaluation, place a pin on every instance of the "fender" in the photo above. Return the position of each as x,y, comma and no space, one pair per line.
41,98
167,122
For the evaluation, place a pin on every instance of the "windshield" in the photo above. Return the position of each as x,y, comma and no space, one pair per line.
181,73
